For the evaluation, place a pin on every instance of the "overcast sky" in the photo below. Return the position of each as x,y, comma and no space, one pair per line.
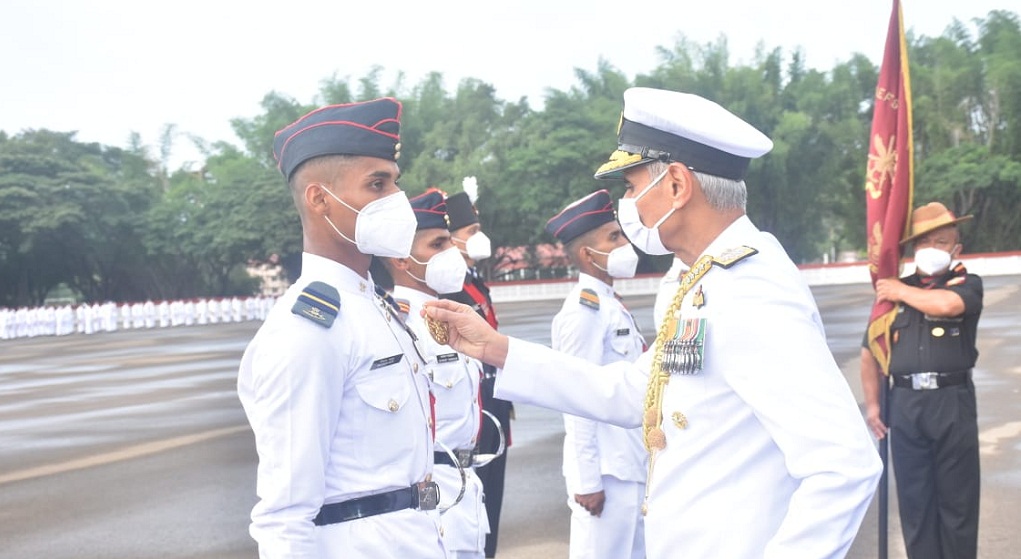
106,68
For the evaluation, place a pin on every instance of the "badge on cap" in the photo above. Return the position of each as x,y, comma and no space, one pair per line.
319,303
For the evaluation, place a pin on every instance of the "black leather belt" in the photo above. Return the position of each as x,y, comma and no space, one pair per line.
931,381
466,456
421,496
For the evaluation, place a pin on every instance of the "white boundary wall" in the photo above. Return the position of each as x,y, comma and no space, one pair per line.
1000,264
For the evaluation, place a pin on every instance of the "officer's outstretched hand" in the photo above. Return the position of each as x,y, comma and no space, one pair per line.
468,332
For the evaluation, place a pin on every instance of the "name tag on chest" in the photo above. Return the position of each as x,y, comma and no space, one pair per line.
446,358
386,361
623,331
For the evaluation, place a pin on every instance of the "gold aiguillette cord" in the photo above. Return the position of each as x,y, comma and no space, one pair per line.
652,419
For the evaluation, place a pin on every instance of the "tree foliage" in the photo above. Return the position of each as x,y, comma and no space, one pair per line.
111,223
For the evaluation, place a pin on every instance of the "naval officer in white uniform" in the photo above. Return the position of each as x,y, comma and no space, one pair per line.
436,267
757,447
333,384
604,465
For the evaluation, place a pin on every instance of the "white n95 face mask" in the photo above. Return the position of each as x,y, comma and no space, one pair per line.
444,272
384,227
645,238
931,261
621,262
478,246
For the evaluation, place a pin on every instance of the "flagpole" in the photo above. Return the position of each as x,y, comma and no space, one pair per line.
884,484
889,189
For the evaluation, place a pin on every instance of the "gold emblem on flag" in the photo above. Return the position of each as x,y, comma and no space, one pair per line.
882,165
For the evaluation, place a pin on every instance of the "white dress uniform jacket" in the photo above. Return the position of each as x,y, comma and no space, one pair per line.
593,324
668,285
767,454
455,385
338,412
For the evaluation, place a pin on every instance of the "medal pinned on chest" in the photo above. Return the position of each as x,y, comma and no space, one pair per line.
684,348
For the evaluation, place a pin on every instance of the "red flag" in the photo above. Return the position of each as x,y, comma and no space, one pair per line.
889,179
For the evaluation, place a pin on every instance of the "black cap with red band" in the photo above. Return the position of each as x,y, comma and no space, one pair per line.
430,209
581,217
370,128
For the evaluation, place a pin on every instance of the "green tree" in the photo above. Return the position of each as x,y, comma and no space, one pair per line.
70,213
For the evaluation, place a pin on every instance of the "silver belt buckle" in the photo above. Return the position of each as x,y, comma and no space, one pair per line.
427,495
465,456
925,381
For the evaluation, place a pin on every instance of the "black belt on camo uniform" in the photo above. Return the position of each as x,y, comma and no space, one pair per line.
421,496
931,380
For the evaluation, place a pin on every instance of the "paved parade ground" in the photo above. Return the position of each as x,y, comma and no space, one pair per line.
133,445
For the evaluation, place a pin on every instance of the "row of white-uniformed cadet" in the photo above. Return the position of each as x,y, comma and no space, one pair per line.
28,322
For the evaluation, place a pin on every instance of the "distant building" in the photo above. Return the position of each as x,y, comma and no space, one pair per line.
272,279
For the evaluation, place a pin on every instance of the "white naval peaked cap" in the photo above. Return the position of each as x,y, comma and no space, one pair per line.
657,124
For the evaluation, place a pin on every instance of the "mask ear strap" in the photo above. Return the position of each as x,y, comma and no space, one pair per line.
343,236
664,218
652,184
337,198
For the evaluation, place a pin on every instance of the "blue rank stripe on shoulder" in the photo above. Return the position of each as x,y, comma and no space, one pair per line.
589,298
319,303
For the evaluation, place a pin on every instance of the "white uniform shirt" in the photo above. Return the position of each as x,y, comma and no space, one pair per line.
600,331
338,413
668,285
455,385
775,460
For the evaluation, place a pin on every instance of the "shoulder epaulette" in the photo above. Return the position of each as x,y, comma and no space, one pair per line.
319,303
589,298
734,255
403,307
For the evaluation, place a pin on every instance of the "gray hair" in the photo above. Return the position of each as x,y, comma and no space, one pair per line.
721,194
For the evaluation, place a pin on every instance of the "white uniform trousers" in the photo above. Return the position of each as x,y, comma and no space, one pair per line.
464,527
619,532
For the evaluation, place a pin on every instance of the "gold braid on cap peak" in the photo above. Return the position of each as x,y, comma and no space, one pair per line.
619,159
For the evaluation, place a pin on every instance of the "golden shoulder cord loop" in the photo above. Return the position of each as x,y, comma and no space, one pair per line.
652,419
